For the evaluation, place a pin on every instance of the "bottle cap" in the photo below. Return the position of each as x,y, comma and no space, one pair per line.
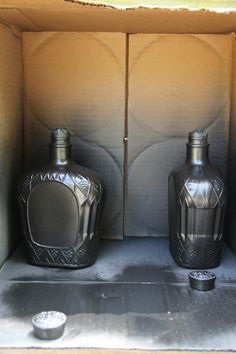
198,138
60,137
49,324
202,280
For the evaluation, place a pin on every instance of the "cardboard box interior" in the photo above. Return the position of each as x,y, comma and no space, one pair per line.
128,99
11,137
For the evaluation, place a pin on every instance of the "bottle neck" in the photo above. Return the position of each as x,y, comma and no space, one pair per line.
197,155
60,156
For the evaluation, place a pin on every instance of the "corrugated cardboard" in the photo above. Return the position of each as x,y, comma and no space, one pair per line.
177,83
77,80
152,90
15,17
231,215
11,137
131,17
82,18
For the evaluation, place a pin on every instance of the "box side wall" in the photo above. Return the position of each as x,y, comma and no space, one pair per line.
231,210
11,137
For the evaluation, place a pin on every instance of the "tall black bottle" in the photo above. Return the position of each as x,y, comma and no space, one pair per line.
197,200
60,206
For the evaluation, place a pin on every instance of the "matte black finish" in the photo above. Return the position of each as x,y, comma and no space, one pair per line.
196,208
60,206
202,280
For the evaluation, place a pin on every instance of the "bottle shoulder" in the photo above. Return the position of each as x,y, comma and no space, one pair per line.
78,170
205,173
200,186
71,175
50,172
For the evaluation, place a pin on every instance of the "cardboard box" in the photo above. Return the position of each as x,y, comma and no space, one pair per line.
11,137
129,80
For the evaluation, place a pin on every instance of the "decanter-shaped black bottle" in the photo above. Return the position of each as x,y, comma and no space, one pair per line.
60,207
197,200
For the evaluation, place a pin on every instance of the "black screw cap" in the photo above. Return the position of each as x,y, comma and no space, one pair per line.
202,280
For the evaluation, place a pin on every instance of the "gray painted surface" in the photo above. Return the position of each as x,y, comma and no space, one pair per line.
11,137
75,93
133,297
177,84
231,167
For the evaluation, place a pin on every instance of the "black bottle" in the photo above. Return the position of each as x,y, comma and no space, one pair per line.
60,206
196,207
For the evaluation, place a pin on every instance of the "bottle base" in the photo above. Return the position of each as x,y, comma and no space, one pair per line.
188,262
64,266
55,257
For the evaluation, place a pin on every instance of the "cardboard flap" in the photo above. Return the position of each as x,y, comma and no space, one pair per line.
213,5
120,16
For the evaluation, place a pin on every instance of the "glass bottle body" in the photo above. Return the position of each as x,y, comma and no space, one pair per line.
60,206
196,208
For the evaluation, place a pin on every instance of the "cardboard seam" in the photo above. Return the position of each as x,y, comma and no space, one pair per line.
22,107
29,19
106,47
16,31
228,157
231,81
19,28
125,177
